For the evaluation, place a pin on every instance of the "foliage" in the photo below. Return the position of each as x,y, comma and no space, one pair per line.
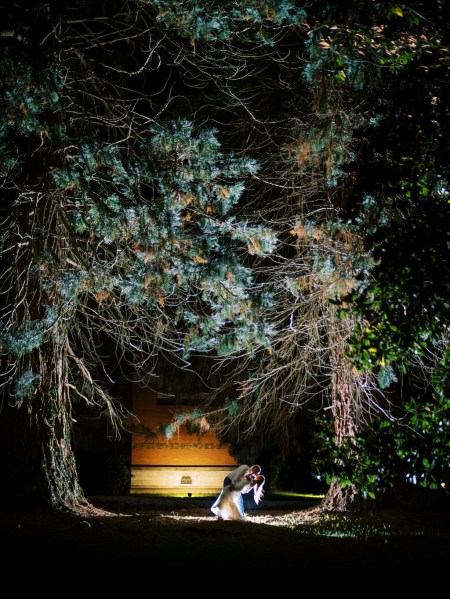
366,160
405,308
411,449
127,241
176,246
262,182
230,21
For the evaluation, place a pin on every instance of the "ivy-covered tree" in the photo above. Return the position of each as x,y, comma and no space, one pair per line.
401,302
344,110
398,199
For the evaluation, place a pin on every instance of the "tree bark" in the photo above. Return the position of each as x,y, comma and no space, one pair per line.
37,465
37,462
347,408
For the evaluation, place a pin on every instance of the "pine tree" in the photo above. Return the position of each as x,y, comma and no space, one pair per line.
117,241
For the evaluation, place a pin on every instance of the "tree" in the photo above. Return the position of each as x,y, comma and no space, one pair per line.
349,114
116,235
402,302
400,299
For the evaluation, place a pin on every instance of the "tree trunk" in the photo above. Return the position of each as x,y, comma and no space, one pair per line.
339,499
347,407
37,462
37,465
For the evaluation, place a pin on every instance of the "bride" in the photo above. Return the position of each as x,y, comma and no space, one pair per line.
228,505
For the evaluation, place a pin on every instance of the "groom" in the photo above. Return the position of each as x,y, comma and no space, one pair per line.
241,473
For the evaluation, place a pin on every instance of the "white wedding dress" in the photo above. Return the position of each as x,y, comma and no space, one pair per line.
228,505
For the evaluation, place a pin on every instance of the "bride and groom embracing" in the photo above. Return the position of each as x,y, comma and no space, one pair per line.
230,503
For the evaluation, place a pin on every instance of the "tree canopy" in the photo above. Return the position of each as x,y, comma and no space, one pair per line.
262,182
